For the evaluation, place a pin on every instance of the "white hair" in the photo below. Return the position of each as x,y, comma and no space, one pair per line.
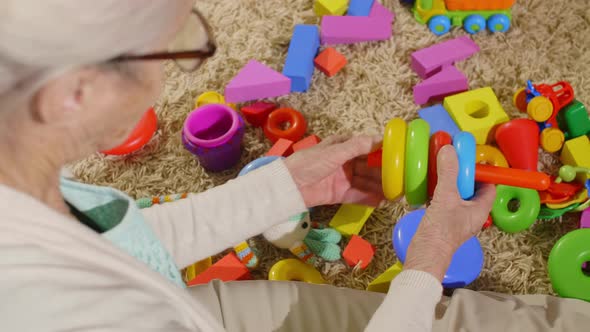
39,39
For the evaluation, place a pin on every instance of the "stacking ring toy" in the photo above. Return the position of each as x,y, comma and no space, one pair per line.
140,136
464,143
466,263
295,270
393,159
209,97
523,217
437,141
565,265
486,154
417,162
277,119
257,163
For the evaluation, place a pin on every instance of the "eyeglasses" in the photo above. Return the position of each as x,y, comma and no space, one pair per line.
188,49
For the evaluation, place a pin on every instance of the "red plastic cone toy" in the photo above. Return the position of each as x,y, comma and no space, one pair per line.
519,141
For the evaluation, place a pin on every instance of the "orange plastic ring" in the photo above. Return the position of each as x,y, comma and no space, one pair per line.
140,136
276,121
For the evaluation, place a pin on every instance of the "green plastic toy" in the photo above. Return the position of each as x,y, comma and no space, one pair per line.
546,213
573,120
565,265
524,216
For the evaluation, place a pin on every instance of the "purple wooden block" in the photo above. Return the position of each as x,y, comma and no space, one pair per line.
381,12
428,61
353,29
449,80
585,219
256,81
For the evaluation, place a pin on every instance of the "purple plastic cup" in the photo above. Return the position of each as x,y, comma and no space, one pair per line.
214,133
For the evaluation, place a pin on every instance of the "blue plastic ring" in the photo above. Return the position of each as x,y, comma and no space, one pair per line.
257,163
464,144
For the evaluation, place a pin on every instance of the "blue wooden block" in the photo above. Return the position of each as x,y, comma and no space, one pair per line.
303,49
439,120
466,264
360,7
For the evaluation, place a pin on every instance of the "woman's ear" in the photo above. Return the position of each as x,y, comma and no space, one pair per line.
63,97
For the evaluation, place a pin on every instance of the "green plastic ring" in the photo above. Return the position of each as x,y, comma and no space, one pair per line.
417,139
523,217
565,265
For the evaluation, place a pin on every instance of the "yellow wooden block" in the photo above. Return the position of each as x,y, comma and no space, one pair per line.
382,282
476,111
330,7
350,218
576,152
192,271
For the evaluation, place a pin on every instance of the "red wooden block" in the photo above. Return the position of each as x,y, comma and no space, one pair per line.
330,61
282,148
229,268
358,250
257,113
306,143
375,158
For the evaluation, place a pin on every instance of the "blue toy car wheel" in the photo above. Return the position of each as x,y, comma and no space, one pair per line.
474,24
439,25
498,23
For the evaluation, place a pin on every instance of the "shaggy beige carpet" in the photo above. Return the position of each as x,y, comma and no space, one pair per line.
548,41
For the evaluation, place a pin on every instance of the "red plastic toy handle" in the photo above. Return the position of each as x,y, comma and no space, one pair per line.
512,177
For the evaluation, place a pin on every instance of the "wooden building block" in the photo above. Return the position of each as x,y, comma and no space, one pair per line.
281,148
448,81
576,152
330,61
429,60
257,113
358,250
382,282
354,29
229,268
330,7
306,143
350,218
256,81
360,7
439,120
303,49
476,111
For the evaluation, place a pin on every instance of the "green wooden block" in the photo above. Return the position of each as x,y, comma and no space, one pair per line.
573,120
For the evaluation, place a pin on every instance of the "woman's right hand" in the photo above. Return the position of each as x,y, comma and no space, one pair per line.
449,221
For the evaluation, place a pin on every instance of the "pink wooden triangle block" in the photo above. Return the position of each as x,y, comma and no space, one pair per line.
256,81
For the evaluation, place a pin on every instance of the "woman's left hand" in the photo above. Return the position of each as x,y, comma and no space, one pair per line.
336,171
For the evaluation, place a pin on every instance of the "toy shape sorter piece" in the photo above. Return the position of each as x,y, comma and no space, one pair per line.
256,81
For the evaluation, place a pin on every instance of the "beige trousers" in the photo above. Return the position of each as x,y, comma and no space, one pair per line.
293,306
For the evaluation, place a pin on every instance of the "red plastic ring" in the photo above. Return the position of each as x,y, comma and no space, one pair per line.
140,136
273,127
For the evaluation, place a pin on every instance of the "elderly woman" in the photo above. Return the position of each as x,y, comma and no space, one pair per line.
75,76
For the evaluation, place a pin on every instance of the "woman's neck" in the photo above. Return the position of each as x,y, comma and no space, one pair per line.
31,166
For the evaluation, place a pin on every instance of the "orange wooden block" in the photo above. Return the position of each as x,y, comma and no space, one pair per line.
358,250
229,268
330,61
282,148
306,143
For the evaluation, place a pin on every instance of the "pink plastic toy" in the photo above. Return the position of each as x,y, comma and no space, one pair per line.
256,81
428,61
380,12
585,219
448,81
353,29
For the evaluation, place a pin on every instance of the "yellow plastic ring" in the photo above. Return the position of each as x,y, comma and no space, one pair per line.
540,109
295,270
552,139
209,97
490,155
393,160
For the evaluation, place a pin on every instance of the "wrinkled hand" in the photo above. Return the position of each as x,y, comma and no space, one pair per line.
449,221
336,171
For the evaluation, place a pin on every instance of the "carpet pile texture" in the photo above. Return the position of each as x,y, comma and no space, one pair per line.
549,41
